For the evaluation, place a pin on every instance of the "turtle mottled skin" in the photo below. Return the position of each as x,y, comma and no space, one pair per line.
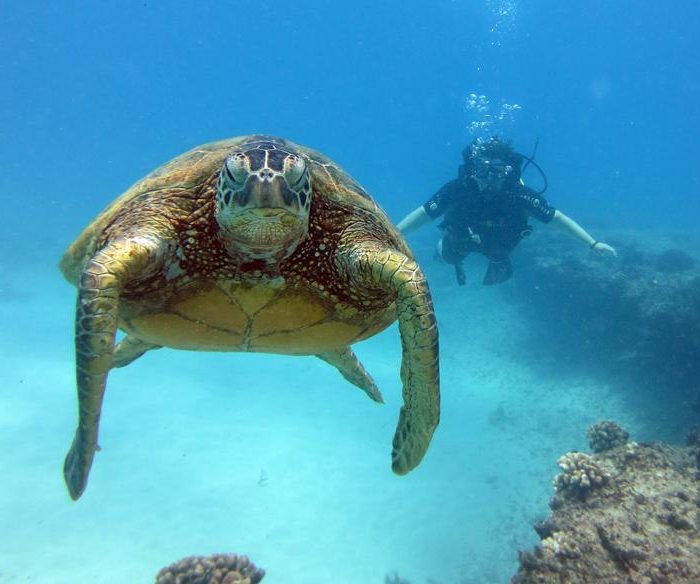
249,244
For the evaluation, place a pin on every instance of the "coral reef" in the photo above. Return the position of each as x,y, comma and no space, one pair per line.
580,474
674,260
606,435
640,525
216,569
693,442
637,314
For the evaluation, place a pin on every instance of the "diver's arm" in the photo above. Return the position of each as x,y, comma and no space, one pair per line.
570,226
414,220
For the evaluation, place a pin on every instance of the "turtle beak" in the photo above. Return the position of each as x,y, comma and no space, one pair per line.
273,193
263,221
260,216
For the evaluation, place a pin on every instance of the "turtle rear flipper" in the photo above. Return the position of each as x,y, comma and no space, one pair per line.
374,267
345,361
96,319
129,349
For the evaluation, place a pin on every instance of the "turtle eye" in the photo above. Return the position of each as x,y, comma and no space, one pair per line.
305,192
294,170
237,168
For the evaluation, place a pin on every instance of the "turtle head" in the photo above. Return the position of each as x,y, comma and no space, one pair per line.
263,197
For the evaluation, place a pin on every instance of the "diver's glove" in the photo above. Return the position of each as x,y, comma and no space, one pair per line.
601,247
475,237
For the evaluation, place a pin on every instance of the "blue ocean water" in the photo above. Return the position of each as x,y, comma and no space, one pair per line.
277,457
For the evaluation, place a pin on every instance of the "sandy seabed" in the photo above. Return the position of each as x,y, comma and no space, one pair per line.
281,459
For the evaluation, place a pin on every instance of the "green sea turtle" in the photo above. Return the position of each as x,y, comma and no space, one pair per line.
249,244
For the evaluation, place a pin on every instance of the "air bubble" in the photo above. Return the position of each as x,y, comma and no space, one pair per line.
485,121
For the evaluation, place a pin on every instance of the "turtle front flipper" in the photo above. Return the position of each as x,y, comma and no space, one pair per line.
96,319
345,361
371,267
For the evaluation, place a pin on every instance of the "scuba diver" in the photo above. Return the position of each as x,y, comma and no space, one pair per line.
486,210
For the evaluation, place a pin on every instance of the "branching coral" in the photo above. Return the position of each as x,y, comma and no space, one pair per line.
606,435
216,569
580,474
559,544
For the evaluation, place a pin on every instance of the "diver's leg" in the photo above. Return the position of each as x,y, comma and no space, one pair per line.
454,251
345,361
460,275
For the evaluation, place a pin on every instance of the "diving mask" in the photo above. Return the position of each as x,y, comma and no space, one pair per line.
491,169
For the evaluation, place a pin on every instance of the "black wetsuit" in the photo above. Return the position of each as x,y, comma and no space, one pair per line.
500,220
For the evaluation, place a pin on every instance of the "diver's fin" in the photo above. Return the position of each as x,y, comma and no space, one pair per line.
498,272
